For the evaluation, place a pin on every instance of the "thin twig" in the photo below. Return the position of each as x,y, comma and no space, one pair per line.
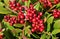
11,10
23,36
35,3
51,8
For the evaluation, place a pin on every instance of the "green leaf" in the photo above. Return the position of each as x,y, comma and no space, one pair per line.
8,34
43,36
1,4
18,25
55,31
49,16
7,25
37,6
54,37
18,30
6,2
33,1
48,37
58,5
27,31
50,20
4,10
57,24
48,27
27,3
35,36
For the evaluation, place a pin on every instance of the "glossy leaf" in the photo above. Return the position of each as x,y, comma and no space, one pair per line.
18,25
27,3
43,36
50,20
58,5
57,24
48,27
37,6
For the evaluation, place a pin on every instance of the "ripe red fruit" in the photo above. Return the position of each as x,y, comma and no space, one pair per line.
11,24
18,4
1,36
41,29
22,21
55,16
15,9
22,16
34,20
33,25
33,30
40,13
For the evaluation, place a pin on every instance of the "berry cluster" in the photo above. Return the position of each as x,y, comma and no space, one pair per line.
11,20
56,13
15,6
35,19
46,3
14,20
56,1
32,16
21,18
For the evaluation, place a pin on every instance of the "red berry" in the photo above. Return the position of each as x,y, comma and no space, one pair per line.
41,29
22,21
18,4
33,30
33,25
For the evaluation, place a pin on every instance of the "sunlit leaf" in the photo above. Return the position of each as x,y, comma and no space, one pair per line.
57,24
56,31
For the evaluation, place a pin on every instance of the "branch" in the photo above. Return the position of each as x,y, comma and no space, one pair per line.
51,8
23,36
11,10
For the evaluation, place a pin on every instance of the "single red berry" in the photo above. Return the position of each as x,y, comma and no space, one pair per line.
33,30
18,4
41,29
33,25
22,21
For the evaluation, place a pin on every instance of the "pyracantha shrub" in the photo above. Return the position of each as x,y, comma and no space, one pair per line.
29,19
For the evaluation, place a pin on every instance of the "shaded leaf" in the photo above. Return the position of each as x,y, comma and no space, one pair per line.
54,37
18,25
4,11
7,25
6,2
43,36
1,4
35,36
27,31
